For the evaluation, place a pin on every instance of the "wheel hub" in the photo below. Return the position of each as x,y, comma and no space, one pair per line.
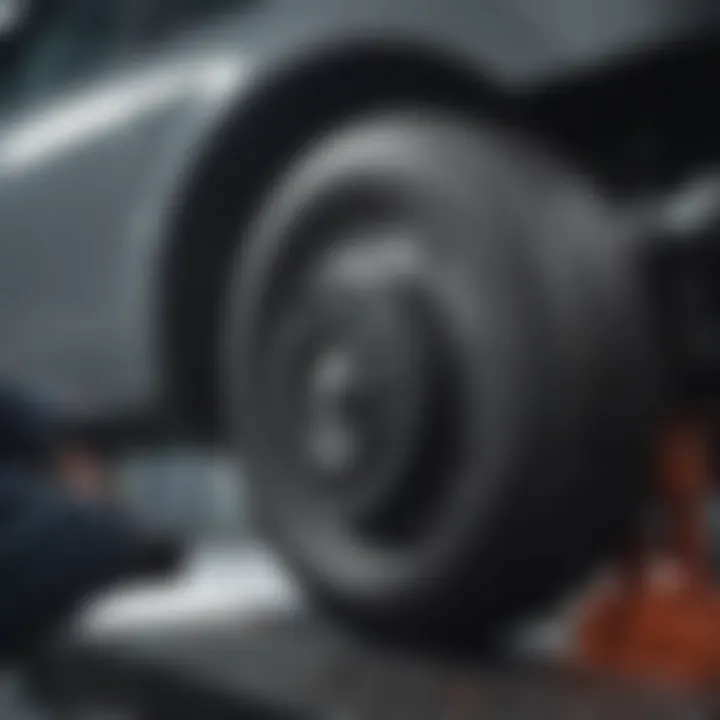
337,390
356,370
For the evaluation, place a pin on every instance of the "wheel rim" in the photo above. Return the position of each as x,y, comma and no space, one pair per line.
352,362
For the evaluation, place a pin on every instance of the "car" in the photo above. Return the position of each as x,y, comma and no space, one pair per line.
389,249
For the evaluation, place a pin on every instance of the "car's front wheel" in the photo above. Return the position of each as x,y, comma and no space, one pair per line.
437,358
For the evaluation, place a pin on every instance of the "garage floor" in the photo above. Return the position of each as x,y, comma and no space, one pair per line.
227,578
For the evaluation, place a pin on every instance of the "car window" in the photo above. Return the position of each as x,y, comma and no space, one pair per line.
57,43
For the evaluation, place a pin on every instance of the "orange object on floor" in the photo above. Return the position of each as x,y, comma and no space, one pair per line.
658,618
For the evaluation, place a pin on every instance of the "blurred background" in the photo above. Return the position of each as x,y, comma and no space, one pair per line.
106,105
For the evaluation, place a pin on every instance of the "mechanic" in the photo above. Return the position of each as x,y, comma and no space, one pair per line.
62,538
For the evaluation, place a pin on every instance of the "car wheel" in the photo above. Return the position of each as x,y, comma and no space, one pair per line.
437,357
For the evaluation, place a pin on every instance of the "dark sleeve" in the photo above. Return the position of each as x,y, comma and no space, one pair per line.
56,553
29,431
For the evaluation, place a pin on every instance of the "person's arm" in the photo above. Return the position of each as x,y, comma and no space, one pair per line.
62,539
57,551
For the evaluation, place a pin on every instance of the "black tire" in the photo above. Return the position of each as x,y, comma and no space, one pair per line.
529,464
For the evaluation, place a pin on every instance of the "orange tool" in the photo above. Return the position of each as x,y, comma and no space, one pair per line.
659,618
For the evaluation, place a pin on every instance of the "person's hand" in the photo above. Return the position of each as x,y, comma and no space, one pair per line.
83,474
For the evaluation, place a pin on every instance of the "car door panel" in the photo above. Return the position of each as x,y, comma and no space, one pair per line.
72,182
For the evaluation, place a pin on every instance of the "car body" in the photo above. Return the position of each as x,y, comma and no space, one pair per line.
123,189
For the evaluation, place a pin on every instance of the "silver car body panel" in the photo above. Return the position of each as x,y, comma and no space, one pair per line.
91,181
